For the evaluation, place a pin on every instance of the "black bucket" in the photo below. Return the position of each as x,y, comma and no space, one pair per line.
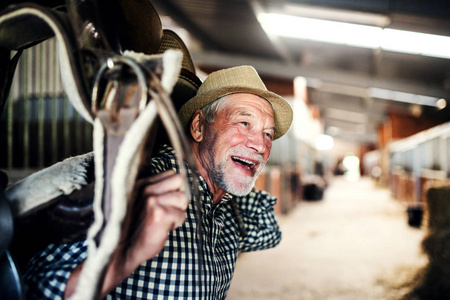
415,216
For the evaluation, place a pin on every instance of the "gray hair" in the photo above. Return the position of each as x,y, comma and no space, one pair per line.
211,109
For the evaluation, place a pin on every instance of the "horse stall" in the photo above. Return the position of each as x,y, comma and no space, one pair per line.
417,163
39,125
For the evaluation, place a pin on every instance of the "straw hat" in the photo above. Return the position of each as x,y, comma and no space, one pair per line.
188,82
186,87
242,79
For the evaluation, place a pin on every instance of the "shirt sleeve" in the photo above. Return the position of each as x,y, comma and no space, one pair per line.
261,226
48,271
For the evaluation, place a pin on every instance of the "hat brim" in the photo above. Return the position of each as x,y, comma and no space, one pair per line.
282,110
188,83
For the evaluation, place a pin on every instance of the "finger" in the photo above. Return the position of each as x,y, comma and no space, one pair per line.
155,178
154,231
178,217
166,218
173,182
160,176
176,200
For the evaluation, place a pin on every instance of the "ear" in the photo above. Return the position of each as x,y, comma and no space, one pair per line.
196,127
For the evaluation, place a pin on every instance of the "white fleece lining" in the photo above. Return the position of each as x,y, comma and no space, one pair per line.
171,65
89,276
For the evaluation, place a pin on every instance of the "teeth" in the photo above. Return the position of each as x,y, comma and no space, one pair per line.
247,162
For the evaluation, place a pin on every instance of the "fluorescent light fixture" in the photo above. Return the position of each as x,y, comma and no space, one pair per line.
333,130
406,97
321,30
415,43
334,14
441,103
370,92
349,116
364,36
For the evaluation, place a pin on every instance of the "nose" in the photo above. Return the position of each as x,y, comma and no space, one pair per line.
256,142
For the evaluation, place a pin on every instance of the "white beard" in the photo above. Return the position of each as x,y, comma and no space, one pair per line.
236,184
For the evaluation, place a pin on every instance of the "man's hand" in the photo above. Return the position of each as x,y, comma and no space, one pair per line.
163,208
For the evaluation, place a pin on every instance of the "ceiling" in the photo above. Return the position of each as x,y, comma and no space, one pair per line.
342,80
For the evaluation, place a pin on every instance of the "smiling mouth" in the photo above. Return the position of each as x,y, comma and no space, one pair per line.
246,163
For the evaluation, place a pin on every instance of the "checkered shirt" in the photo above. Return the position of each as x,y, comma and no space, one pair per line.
177,272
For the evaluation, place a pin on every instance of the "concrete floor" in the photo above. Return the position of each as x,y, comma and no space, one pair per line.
354,244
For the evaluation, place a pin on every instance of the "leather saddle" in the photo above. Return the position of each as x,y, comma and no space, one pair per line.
88,34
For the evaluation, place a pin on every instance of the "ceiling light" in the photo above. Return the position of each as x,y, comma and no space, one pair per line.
364,36
404,97
415,43
333,130
324,142
321,30
346,115
441,103
334,14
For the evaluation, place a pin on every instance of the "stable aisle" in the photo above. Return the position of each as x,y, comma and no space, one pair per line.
354,244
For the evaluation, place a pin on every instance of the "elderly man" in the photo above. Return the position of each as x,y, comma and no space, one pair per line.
232,122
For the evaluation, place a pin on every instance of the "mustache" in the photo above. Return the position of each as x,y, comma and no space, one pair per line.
247,154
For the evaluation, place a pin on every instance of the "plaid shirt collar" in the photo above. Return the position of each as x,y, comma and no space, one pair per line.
203,186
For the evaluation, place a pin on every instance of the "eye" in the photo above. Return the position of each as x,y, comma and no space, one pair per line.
267,134
246,124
